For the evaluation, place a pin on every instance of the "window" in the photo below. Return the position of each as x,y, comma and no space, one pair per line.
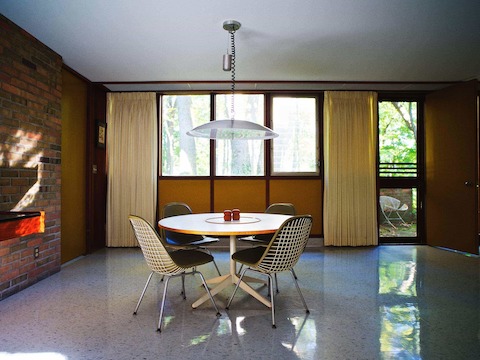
183,155
240,157
296,150
397,210
398,138
399,173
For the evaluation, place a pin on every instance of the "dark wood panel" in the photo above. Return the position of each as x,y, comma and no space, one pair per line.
451,168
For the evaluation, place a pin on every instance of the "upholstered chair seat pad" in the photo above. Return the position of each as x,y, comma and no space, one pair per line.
249,256
174,238
190,258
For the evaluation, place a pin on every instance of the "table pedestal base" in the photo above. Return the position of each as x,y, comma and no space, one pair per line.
231,279
227,281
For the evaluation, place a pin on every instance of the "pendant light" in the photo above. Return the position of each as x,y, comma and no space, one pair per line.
232,128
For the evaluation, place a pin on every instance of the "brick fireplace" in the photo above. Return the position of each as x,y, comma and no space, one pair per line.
30,153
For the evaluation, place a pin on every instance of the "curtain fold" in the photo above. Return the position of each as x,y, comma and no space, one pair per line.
132,154
350,138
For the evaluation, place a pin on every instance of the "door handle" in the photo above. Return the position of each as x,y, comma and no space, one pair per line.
468,183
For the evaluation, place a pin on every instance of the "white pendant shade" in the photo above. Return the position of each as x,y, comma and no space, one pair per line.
233,129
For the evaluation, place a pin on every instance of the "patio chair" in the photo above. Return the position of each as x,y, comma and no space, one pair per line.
281,254
169,264
390,208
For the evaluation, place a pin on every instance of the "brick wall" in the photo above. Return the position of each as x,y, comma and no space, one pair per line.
30,149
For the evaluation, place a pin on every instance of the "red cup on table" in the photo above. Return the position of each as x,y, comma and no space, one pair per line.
236,214
227,215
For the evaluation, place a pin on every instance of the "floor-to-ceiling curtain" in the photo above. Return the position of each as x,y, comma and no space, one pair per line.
350,137
132,154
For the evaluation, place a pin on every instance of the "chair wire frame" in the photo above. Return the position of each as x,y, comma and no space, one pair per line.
159,261
262,239
281,254
390,205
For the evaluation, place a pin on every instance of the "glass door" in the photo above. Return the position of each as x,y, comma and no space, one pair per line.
400,171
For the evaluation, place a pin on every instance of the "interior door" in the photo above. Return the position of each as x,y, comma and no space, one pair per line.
451,152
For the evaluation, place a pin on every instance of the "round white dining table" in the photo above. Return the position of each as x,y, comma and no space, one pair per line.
213,224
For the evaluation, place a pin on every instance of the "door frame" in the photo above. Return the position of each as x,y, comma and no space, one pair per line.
417,182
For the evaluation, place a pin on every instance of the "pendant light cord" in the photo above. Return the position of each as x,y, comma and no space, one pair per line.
232,106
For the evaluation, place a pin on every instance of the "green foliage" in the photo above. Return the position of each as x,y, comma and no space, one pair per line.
397,132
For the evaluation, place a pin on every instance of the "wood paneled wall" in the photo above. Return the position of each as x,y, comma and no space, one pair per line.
74,135
249,195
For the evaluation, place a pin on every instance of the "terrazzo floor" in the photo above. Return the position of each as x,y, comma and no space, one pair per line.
386,302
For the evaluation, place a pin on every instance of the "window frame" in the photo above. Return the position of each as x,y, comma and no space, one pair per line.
268,149
318,137
160,102
213,153
417,182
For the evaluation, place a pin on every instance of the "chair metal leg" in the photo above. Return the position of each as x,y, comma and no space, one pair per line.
294,275
268,286
236,288
143,293
214,263
160,318
400,218
271,293
216,267
208,291
276,285
272,299
299,292
183,287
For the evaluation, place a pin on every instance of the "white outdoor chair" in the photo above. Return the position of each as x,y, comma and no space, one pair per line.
169,264
281,254
390,208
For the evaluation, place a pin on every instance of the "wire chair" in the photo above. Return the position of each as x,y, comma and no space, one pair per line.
264,239
281,254
175,240
169,264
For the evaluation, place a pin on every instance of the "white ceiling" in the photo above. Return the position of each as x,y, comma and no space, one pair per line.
333,44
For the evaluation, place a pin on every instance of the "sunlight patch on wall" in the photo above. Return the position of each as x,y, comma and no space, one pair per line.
28,198
19,152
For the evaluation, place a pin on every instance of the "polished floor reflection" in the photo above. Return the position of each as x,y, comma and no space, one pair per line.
387,302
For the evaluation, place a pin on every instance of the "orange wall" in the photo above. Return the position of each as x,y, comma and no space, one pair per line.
248,195
195,193
306,195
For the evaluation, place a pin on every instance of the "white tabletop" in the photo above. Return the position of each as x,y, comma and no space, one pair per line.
213,224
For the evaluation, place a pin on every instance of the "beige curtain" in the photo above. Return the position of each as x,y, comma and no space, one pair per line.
350,133
132,163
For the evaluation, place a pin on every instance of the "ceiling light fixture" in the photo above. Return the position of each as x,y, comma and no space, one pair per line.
232,129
